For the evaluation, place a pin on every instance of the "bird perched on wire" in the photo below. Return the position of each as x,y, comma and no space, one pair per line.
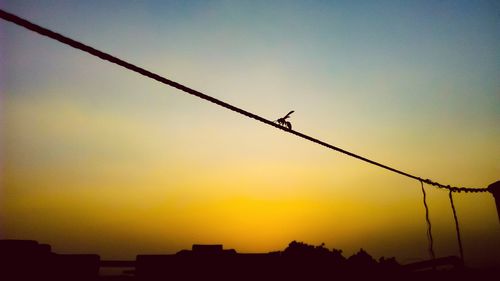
282,121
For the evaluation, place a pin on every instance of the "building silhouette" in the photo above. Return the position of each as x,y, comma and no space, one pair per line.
30,260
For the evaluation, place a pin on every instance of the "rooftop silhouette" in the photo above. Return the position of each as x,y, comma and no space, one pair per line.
30,260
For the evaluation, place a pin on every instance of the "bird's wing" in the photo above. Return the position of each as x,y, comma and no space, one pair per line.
288,115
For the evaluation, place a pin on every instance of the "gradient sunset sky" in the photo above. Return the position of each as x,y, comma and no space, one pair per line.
97,159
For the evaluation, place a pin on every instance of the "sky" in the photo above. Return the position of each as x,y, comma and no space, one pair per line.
97,159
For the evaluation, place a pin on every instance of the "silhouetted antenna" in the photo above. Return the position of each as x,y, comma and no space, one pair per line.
105,56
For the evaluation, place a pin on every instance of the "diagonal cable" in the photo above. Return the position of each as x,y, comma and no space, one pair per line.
105,56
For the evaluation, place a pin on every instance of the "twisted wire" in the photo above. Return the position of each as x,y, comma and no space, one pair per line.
430,240
457,228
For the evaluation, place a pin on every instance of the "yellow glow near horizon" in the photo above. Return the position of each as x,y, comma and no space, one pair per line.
253,202
98,159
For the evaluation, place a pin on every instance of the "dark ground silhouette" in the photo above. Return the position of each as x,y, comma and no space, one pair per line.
29,260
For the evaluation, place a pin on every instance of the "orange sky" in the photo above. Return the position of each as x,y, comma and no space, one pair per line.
97,159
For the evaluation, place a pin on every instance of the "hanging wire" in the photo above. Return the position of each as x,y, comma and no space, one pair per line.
429,226
457,228
105,56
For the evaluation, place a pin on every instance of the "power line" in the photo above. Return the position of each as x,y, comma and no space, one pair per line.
105,56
